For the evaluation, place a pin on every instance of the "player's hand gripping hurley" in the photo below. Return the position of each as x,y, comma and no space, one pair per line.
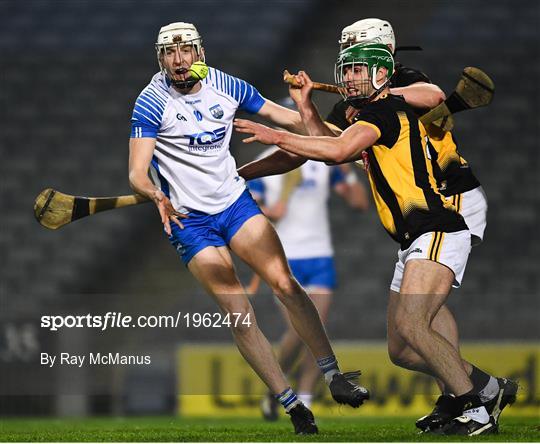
290,79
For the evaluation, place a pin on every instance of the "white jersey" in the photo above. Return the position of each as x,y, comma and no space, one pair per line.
192,163
305,229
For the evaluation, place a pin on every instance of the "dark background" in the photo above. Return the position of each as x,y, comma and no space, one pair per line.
70,73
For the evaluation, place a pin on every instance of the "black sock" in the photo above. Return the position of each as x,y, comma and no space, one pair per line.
479,379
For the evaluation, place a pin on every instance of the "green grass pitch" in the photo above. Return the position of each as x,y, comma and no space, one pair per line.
167,429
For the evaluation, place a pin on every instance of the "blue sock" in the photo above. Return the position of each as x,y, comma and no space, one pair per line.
287,398
329,367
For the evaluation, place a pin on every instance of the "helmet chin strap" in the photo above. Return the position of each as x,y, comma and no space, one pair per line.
183,84
378,88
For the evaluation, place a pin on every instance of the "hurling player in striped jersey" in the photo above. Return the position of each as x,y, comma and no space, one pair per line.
181,130
455,181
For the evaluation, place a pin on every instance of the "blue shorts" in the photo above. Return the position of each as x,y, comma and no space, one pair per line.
203,230
315,272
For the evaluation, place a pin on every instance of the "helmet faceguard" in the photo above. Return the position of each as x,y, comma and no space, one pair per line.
177,35
356,72
368,30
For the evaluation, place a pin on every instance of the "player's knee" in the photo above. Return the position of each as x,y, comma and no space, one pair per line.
395,345
407,331
410,328
400,357
395,357
286,287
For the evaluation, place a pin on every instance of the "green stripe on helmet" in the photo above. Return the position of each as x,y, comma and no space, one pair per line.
371,54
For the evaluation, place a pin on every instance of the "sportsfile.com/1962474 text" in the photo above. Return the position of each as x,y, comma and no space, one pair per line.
118,320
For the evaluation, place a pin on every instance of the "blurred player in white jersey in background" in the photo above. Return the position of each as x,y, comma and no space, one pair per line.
303,225
181,128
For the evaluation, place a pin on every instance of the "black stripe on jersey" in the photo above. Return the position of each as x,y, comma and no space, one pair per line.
437,172
418,158
385,191
458,179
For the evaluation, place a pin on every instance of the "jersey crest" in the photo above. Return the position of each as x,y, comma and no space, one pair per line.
216,111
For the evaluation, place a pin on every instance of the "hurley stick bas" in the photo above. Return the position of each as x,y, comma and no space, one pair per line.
474,90
54,209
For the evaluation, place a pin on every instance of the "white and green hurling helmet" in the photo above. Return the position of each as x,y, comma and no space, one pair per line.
372,55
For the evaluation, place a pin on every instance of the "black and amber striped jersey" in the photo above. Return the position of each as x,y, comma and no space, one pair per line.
401,173
452,173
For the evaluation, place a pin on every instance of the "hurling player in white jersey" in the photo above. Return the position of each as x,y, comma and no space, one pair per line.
308,247
181,128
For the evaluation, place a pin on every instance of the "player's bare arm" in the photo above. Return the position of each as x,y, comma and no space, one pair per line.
345,148
282,117
421,95
140,155
278,162
308,111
